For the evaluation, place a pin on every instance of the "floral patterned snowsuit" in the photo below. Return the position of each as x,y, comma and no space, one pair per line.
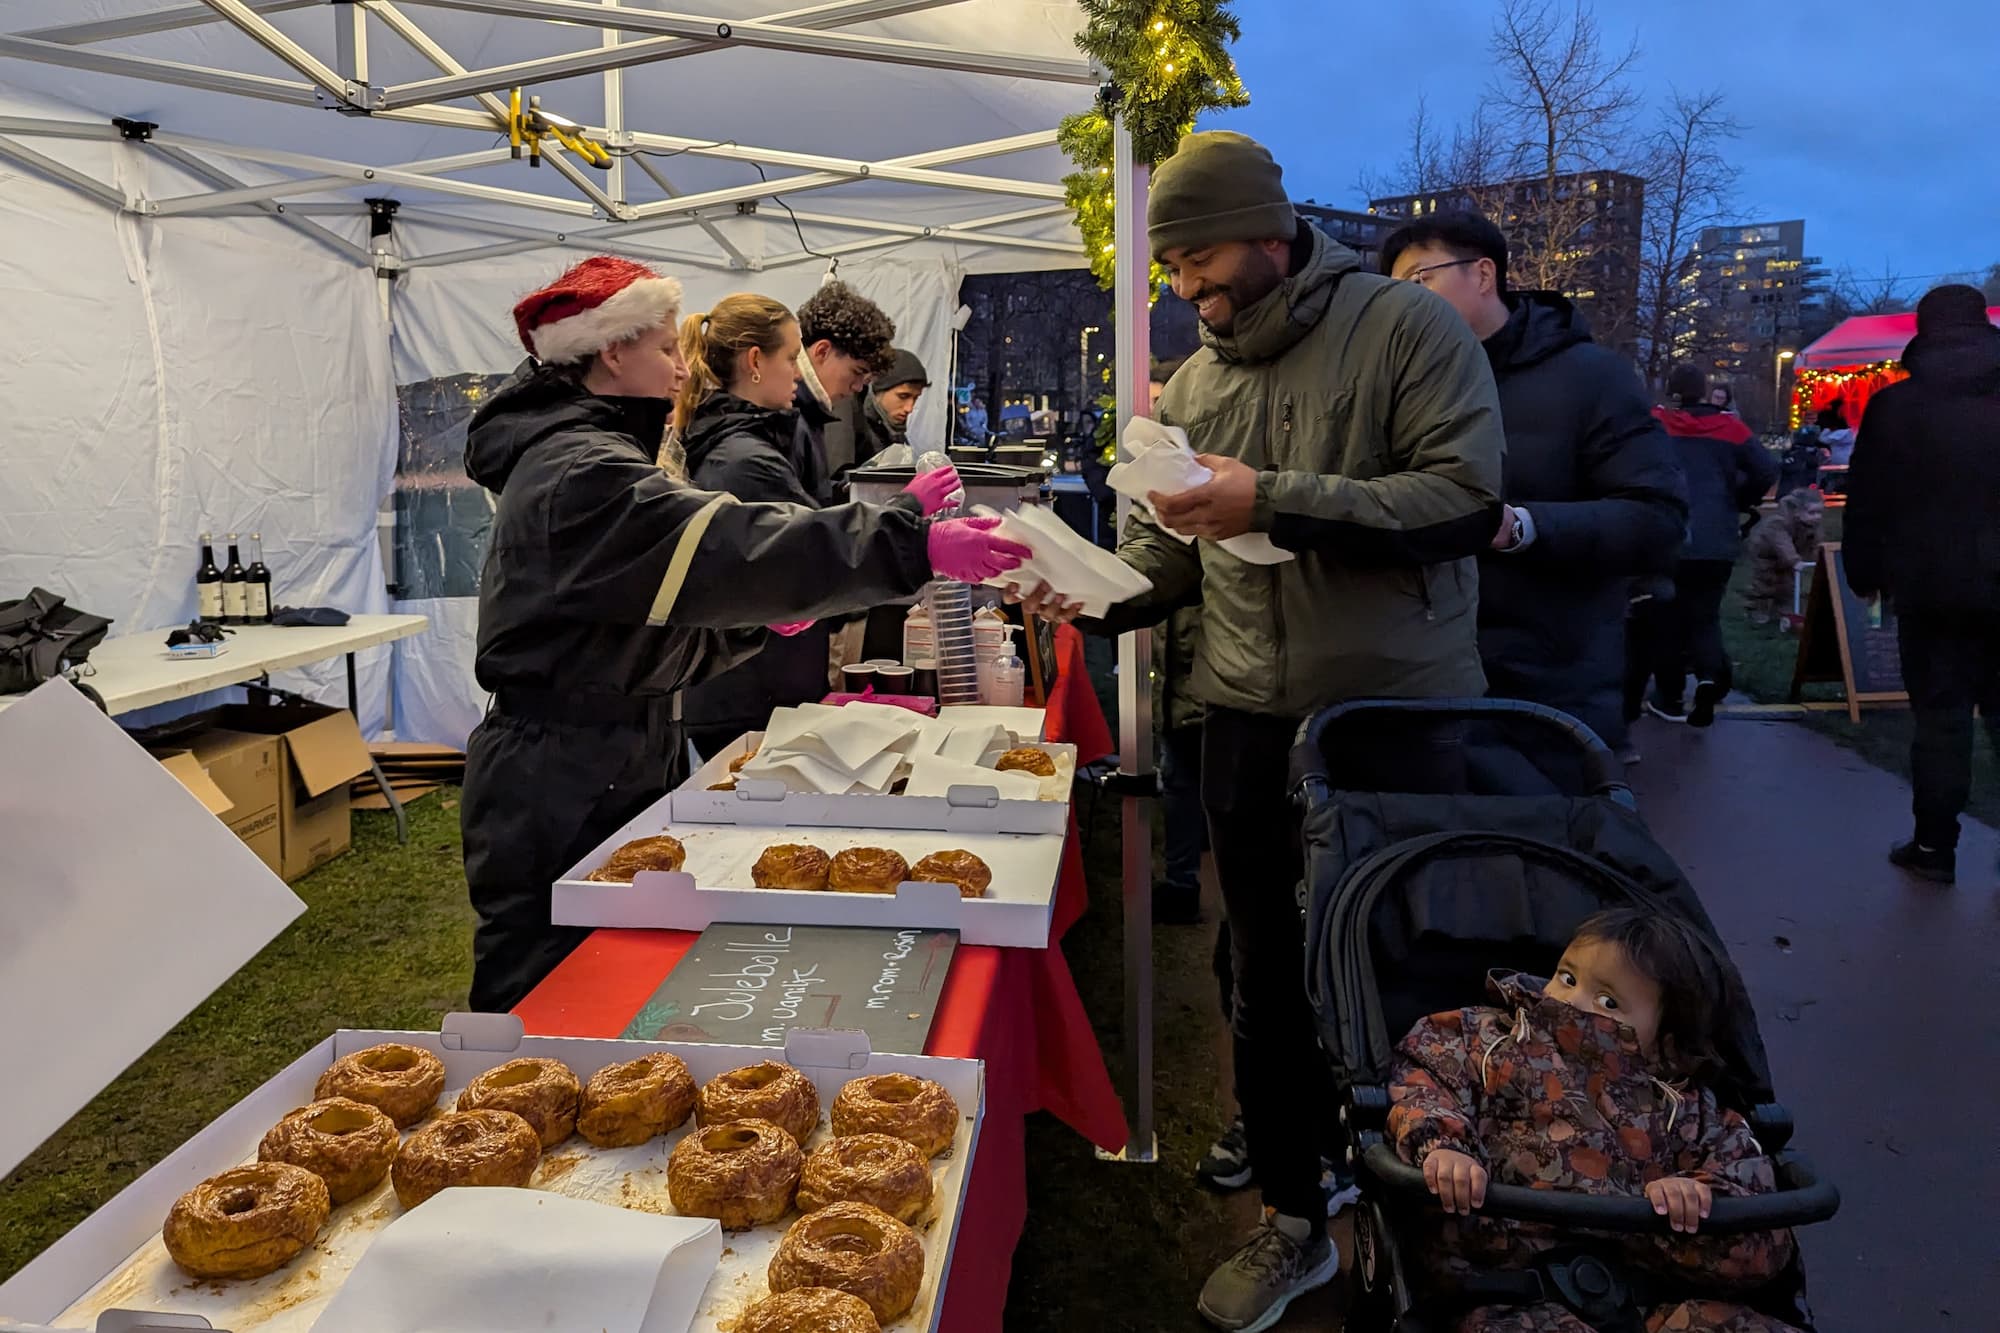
1550,1097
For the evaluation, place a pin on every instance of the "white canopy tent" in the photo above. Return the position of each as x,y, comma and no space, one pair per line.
909,141
210,319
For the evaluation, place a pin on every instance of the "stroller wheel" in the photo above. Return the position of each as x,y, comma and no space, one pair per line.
1375,1287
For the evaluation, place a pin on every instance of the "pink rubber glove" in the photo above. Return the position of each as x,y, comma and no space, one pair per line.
790,627
966,551
938,489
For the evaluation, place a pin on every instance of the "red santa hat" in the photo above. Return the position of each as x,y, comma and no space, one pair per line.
601,301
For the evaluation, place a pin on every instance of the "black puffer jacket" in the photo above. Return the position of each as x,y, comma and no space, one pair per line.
1597,476
607,575
1923,498
752,453
1728,474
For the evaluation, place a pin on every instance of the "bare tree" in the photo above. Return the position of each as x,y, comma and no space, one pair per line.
1990,285
1690,184
1850,294
1562,104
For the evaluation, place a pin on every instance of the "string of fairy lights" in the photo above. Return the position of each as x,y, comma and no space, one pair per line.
1807,385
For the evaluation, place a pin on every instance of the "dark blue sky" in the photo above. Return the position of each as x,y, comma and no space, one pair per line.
1878,123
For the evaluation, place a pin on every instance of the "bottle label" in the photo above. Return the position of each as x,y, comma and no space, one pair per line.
211,600
233,601
257,599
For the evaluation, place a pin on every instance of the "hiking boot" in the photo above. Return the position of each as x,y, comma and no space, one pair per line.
1227,1165
1667,712
1939,865
1338,1184
1253,1286
1707,694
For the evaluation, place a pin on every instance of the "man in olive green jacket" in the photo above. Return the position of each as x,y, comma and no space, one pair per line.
1354,421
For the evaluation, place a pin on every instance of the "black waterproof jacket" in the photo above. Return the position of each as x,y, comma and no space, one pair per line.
1728,474
1923,498
749,452
1598,478
608,576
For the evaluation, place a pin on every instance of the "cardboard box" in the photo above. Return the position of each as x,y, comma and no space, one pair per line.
282,775
239,777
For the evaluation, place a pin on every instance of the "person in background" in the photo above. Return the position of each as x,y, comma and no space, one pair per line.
738,429
1922,530
846,341
975,421
1353,420
887,405
1594,496
610,585
1722,398
1728,474
1779,546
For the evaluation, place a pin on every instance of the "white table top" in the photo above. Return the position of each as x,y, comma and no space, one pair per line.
134,671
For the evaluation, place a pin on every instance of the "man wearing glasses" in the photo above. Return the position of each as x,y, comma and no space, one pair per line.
1594,494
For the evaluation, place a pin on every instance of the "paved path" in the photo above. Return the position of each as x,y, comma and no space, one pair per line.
1879,1000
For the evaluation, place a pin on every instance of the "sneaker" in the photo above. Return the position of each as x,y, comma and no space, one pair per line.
1227,1165
1666,712
1338,1183
1939,865
1251,1289
1706,696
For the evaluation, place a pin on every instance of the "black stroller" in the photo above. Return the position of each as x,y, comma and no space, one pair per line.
1516,825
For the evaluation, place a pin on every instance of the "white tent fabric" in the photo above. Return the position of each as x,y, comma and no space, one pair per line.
171,374
165,381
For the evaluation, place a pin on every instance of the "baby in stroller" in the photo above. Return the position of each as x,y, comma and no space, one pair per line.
1595,1081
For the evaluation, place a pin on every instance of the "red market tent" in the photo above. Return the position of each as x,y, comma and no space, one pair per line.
1856,360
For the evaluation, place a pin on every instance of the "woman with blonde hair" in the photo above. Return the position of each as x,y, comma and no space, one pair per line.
738,432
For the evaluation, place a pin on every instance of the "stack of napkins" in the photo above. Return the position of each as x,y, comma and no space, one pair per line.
867,748
1074,567
1159,461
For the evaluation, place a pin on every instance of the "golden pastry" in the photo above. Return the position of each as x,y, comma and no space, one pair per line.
246,1222
403,1082
768,1091
867,870
809,1310
1027,759
867,1168
917,1111
742,1174
956,866
542,1092
736,764
727,784
790,865
625,1105
489,1147
857,1249
348,1144
656,853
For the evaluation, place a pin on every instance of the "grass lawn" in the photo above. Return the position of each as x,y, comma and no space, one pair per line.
386,941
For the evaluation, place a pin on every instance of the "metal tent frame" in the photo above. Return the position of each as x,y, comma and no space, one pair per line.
598,212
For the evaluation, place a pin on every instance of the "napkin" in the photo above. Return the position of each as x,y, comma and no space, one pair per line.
515,1260
934,775
1158,459
1077,569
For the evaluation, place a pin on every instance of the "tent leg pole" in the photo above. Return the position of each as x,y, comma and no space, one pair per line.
1132,300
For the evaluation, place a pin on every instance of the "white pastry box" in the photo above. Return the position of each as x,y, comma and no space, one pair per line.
963,808
159,932
714,883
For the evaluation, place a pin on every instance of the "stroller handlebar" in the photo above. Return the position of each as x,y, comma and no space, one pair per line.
1606,775
1802,1198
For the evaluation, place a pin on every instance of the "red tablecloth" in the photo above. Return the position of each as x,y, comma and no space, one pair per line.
1016,1009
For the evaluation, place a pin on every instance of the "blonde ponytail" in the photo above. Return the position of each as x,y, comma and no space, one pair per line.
701,377
710,344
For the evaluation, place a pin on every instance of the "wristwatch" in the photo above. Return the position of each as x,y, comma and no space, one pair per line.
1523,534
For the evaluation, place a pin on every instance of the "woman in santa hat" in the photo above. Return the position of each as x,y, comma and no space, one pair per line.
611,584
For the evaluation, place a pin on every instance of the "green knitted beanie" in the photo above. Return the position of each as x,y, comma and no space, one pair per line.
1218,186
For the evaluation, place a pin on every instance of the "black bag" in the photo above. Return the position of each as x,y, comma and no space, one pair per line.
41,638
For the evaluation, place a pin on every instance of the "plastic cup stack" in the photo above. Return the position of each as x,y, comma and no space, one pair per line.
957,656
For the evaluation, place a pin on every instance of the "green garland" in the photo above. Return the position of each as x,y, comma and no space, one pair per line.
1169,62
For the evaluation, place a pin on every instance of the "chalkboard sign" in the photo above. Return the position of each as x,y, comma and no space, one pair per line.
747,985
1849,640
